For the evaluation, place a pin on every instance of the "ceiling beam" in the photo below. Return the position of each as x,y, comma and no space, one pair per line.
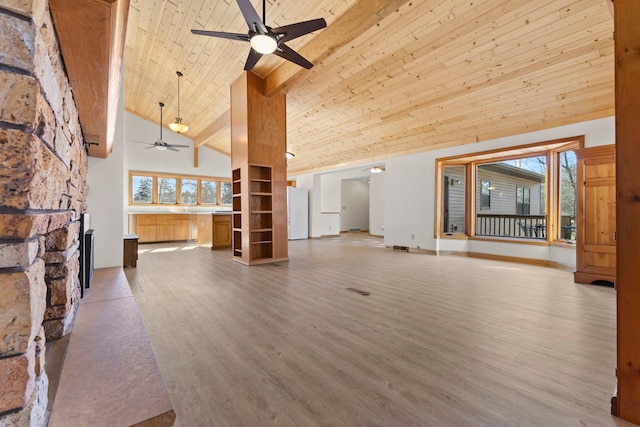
91,35
360,17
220,123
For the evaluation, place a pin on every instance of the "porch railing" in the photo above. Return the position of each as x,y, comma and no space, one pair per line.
524,226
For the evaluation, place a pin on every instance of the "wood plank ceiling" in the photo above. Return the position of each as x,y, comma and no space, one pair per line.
390,77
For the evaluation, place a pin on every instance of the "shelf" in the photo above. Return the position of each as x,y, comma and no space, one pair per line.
255,202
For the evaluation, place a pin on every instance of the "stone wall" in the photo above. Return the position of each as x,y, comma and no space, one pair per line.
43,169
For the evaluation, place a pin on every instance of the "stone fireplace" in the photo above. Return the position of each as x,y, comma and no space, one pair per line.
43,168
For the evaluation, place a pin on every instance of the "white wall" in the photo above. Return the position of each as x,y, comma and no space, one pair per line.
104,202
354,213
108,200
325,198
404,196
376,203
141,158
410,194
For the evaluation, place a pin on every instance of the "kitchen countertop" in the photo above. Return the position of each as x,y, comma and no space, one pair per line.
180,213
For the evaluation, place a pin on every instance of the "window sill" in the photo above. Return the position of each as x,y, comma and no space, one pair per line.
458,236
563,244
524,241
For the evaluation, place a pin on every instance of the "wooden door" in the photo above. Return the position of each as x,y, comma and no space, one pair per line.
595,239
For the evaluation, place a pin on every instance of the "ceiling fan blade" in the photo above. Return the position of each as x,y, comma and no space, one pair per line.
252,59
300,29
177,145
251,16
222,35
289,54
170,147
152,146
142,142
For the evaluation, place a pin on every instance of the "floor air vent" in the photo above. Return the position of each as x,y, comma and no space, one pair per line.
355,230
358,291
401,248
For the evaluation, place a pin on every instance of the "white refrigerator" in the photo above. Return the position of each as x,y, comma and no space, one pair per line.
297,213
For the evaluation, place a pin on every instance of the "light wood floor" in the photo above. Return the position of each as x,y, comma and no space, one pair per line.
440,341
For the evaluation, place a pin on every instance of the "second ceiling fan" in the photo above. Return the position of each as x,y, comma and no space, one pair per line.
264,39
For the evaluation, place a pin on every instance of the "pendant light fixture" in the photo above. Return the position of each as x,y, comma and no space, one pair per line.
178,126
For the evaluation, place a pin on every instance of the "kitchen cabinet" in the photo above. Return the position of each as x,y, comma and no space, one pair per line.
162,227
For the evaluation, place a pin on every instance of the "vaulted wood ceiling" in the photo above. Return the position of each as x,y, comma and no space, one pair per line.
390,77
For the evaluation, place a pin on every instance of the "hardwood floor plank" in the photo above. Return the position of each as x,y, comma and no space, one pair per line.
439,341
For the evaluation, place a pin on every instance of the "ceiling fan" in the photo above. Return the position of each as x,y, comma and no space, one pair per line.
160,144
264,39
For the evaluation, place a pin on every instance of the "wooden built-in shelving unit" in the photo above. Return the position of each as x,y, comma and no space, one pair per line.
257,244
259,173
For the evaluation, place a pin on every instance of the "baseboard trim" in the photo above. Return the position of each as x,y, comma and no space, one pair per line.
518,260
492,257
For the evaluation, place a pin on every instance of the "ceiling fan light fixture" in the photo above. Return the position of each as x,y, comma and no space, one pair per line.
160,147
263,43
178,126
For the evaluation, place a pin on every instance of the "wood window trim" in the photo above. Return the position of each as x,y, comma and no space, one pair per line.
550,149
179,178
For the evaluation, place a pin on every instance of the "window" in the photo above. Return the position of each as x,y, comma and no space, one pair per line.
142,189
155,188
485,194
523,201
209,192
567,205
167,190
225,193
454,200
512,190
189,191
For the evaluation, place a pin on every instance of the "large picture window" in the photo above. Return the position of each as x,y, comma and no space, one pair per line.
520,193
150,188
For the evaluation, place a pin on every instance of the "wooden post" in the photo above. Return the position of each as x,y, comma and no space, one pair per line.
627,62
259,172
195,156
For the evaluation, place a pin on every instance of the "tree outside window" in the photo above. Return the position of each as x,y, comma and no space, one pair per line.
167,190
226,194
189,191
209,192
567,204
142,188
